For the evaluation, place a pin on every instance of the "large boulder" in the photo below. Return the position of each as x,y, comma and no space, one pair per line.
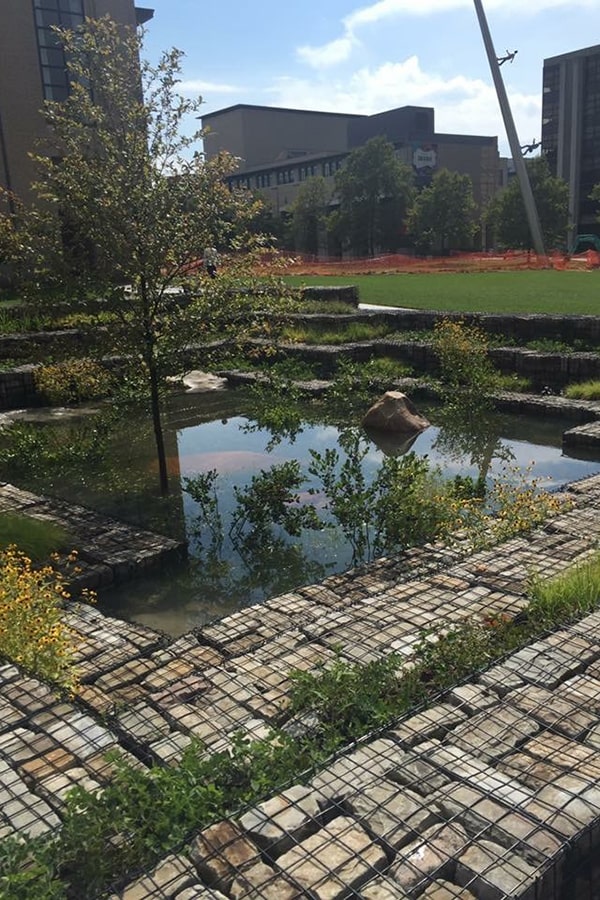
395,412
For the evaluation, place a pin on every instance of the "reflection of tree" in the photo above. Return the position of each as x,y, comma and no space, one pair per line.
471,431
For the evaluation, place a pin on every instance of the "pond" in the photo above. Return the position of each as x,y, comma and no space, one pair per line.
112,468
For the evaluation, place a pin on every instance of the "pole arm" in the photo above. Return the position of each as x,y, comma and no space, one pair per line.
511,132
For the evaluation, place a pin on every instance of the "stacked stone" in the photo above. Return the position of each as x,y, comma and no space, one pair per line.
525,736
491,794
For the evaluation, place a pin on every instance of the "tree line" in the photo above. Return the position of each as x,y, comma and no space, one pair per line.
374,206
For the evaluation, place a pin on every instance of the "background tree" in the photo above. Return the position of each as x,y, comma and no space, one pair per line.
375,190
506,212
134,212
442,217
309,214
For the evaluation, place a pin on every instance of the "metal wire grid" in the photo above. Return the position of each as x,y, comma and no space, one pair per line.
481,795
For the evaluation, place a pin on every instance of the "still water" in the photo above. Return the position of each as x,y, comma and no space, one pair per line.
213,432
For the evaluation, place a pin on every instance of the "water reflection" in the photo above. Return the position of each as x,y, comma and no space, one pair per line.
213,431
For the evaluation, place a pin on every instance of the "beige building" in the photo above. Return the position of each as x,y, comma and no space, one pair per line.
32,69
280,148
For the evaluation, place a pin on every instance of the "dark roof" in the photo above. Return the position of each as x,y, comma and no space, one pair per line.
586,51
312,112
465,138
143,14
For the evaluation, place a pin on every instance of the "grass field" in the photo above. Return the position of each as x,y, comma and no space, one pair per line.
545,291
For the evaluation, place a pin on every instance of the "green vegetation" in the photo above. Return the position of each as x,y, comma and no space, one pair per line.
506,212
585,390
544,291
142,814
32,628
36,538
443,215
72,381
466,372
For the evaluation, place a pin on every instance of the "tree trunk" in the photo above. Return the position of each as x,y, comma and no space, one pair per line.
158,430
149,337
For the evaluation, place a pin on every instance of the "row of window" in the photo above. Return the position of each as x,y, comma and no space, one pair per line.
287,176
48,15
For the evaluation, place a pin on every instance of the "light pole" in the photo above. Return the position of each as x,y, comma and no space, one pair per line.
511,131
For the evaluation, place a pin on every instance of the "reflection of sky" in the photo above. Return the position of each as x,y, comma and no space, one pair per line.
180,603
239,454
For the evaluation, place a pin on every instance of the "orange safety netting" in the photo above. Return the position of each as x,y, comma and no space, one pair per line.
511,260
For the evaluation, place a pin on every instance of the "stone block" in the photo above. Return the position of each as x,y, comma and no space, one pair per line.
473,698
432,855
382,888
262,881
57,786
335,861
220,852
493,873
49,764
445,890
199,893
478,774
417,774
392,813
553,710
431,723
166,881
349,772
81,735
483,816
493,733
143,723
284,820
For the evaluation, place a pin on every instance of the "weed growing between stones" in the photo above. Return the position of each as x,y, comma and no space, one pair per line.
143,814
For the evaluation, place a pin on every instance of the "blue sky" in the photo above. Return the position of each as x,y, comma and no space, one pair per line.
339,55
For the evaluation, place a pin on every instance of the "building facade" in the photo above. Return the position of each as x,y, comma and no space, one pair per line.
571,131
280,148
32,69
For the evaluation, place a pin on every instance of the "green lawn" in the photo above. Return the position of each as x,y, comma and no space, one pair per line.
546,291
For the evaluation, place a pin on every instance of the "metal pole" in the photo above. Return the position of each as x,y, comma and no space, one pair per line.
511,131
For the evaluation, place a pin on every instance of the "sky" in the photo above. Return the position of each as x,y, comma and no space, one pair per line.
344,56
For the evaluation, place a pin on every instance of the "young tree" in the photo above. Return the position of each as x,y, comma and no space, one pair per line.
506,212
309,214
375,190
442,217
135,212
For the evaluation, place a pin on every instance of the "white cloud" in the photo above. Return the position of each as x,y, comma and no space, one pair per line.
340,49
462,105
329,54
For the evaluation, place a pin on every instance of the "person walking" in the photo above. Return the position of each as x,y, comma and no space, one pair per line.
210,261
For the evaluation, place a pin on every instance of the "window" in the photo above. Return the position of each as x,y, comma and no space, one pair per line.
48,15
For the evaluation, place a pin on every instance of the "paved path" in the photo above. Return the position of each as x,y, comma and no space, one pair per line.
503,771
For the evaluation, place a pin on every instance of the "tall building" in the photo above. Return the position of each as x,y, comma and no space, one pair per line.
32,69
571,130
280,148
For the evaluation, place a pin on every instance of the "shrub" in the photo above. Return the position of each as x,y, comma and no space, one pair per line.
32,631
462,351
72,381
585,390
